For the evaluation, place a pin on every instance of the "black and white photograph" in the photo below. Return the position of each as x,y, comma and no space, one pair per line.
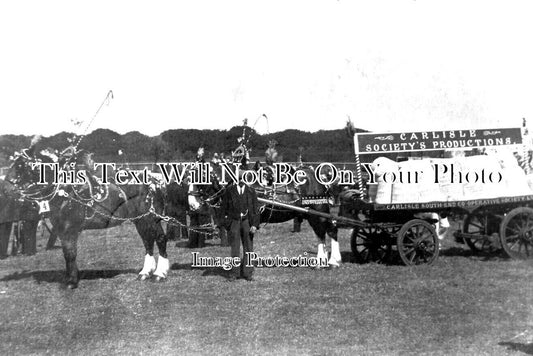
320,177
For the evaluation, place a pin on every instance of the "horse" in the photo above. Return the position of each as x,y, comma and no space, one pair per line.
204,204
178,205
289,194
88,206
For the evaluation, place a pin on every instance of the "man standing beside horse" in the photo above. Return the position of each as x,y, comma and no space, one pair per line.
241,210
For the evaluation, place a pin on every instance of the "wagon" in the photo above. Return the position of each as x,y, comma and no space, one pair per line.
489,225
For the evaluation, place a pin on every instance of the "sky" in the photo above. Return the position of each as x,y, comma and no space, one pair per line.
398,65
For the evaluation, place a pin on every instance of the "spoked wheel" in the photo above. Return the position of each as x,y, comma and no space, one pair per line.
480,232
417,243
516,233
370,245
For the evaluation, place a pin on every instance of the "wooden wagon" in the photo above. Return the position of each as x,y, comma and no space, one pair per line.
407,227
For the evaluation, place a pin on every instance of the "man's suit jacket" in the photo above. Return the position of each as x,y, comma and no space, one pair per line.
231,201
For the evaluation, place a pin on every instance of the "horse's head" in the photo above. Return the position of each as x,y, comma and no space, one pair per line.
311,186
82,159
194,197
203,196
85,161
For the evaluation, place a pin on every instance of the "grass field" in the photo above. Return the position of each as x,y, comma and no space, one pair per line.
463,304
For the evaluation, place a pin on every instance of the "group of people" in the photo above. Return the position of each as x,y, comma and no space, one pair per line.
19,219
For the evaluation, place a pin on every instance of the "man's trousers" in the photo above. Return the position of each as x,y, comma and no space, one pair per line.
240,232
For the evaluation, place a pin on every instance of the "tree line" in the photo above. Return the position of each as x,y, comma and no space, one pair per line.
182,144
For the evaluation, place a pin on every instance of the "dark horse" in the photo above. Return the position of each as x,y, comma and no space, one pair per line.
74,208
291,194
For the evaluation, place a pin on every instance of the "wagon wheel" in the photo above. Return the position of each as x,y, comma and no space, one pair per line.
417,243
369,245
516,233
483,226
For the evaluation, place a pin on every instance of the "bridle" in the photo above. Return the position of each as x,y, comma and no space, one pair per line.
204,198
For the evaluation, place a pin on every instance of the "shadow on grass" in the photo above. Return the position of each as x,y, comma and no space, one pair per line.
58,276
461,252
185,244
517,346
216,272
395,260
347,256
180,266
456,251
51,248
208,271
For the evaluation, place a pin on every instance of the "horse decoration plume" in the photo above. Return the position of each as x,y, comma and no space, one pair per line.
271,154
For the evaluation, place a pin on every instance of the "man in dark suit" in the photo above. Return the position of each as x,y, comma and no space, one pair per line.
241,211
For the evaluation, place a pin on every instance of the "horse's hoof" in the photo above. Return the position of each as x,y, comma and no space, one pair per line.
333,264
143,277
159,279
321,263
72,285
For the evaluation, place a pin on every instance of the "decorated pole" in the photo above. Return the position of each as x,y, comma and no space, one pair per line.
525,154
106,101
358,174
244,124
359,177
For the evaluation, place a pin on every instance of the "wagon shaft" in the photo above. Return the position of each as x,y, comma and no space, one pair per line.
310,211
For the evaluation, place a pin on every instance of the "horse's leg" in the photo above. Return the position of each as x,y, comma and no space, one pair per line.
175,230
148,241
182,219
67,220
29,237
69,243
218,217
223,234
193,235
335,259
319,227
52,238
163,265
151,232
5,232
204,218
15,245
297,224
